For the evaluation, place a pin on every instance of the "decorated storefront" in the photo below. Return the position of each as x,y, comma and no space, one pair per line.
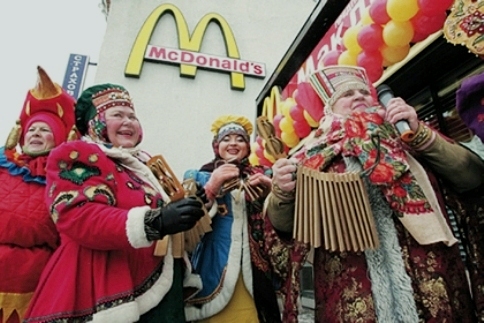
422,49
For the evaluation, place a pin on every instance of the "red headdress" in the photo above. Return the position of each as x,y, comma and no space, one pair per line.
49,103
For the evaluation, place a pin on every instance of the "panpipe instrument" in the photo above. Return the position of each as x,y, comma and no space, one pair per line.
331,210
253,192
182,241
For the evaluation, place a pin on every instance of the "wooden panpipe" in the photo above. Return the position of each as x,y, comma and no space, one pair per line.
187,240
331,210
253,192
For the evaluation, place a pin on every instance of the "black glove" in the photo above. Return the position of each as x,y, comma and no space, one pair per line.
201,193
175,217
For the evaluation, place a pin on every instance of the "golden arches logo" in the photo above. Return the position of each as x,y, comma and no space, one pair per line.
271,106
186,42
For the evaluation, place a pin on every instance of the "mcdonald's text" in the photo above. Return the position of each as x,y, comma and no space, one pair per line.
202,60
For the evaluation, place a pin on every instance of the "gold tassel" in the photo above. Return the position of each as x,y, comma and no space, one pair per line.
72,134
14,135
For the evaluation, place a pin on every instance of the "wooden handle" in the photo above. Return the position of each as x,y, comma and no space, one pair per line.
273,145
166,177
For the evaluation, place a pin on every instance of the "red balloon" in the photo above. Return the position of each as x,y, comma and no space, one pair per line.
259,152
372,62
428,24
432,7
375,74
330,58
370,37
258,139
297,113
417,37
277,119
309,100
264,162
378,12
302,128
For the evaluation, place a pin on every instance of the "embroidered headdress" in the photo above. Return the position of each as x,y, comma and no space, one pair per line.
331,82
231,124
97,99
92,105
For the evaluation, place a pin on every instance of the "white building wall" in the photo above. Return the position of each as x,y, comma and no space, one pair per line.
176,112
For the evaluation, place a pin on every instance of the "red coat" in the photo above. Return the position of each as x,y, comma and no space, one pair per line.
27,237
104,269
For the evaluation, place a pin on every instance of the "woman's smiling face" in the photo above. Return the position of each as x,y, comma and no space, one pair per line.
39,138
123,127
233,147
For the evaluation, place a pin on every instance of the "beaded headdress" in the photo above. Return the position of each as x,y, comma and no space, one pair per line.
228,124
333,81
97,99
111,97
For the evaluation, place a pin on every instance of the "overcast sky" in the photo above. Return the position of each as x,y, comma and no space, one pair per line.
43,32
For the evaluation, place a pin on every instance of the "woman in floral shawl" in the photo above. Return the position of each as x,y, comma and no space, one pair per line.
416,274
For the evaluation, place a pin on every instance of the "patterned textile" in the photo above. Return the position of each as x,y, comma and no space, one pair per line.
243,241
376,145
468,209
343,282
104,270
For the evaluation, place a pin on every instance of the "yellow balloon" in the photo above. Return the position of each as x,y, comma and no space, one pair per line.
254,146
253,159
269,157
289,138
291,101
286,125
397,33
347,58
366,18
350,39
392,54
286,106
402,10
312,123
386,63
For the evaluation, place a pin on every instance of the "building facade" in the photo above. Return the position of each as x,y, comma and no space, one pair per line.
187,62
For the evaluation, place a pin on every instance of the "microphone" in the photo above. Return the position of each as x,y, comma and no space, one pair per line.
385,93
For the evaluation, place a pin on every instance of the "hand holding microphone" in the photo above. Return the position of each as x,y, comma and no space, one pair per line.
403,116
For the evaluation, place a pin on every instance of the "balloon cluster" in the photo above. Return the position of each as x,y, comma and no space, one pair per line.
295,118
385,32
381,38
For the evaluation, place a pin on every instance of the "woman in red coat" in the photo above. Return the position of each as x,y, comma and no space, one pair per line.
27,233
109,209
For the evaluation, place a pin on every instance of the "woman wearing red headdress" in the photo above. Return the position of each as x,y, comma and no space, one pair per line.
27,233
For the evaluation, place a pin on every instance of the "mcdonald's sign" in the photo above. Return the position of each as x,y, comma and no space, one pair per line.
188,54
